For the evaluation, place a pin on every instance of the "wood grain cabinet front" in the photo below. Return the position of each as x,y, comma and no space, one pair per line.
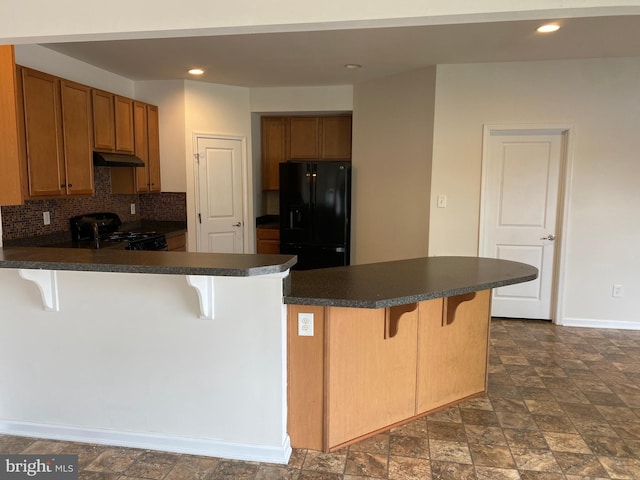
112,122
367,370
147,148
57,134
268,240
10,171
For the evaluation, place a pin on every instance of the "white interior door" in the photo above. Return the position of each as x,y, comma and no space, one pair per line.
521,175
220,194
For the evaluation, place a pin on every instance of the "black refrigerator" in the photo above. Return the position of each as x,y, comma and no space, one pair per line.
315,212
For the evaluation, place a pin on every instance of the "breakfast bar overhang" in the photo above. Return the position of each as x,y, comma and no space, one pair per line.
129,355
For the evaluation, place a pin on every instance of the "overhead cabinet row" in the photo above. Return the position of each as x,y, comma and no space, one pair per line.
61,123
302,138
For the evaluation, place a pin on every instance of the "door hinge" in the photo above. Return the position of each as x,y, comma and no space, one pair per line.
199,218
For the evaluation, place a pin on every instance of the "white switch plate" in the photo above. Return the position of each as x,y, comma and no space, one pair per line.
618,290
442,201
46,217
305,324
133,209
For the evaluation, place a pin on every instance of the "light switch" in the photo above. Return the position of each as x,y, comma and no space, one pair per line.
442,201
46,217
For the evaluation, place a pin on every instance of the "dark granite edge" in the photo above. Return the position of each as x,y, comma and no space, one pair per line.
122,264
404,300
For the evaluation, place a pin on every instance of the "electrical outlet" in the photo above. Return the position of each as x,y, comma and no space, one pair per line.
305,324
46,217
442,201
618,290
133,209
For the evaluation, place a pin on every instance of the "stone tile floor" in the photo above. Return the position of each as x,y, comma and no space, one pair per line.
563,403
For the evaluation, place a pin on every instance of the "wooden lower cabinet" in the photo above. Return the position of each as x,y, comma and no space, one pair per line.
452,351
268,240
177,243
371,379
366,370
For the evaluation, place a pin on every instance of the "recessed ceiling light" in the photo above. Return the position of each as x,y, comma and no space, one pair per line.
548,28
352,66
196,71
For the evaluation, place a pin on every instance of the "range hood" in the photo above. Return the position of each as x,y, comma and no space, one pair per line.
102,159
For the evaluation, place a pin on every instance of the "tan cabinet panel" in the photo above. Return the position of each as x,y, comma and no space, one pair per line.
123,111
274,150
141,144
453,338
10,176
177,243
304,138
153,138
371,380
104,135
76,130
43,133
335,137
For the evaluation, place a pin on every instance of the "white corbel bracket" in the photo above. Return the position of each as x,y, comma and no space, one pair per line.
47,282
204,285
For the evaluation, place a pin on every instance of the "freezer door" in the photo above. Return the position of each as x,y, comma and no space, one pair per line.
295,203
331,203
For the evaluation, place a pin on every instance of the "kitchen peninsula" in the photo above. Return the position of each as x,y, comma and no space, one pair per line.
131,355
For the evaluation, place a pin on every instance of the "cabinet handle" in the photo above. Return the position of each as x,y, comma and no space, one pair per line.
70,185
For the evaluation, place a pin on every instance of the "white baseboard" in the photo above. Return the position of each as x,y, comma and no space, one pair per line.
166,443
592,323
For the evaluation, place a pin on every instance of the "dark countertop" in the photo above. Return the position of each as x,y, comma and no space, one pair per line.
126,261
401,282
63,239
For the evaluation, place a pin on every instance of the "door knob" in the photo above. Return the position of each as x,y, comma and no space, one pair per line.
551,236
239,224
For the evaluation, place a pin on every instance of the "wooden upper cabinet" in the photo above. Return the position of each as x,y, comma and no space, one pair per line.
274,150
141,145
43,133
335,137
146,147
304,138
77,137
104,135
123,111
153,135
10,176
112,122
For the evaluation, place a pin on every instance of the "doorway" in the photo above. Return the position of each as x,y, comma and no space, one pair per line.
220,192
522,213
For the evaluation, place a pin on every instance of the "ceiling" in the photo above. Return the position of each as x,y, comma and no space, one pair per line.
318,57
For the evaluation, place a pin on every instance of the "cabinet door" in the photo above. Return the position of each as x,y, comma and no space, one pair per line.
10,185
76,131
153,136
123,111
335,137
453,338
104,136
43,131
304,138
274,150
141,145
371,379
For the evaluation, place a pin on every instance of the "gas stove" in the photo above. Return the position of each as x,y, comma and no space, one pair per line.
102,230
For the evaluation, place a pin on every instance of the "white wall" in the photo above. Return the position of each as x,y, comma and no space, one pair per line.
217,109
46,60
302,99
29,22
128,361
392,135
601,99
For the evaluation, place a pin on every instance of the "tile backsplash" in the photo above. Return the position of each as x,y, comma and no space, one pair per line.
26,220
